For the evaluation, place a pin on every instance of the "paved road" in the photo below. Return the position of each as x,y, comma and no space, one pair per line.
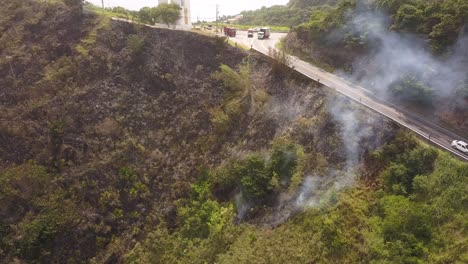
430,131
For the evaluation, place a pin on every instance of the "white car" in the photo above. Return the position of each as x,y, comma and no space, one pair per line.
460,145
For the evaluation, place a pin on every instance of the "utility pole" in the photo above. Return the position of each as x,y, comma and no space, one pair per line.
217,14
102,4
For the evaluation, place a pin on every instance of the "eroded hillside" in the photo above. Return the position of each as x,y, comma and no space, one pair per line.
121,143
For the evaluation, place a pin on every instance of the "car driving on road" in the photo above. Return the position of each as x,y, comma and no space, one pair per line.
460,145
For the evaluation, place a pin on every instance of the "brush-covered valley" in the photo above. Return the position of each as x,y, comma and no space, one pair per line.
121,143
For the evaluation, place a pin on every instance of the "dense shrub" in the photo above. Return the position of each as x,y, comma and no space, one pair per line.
398,177
136,44
242,98
33,202
411,89
64,69
260,177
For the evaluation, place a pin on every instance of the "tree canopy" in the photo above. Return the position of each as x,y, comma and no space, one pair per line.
164,13
167,13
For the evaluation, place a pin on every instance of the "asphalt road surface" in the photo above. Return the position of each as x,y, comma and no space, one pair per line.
431,132
427,130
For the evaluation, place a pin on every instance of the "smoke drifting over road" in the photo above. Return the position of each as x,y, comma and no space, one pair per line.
395,55
391,57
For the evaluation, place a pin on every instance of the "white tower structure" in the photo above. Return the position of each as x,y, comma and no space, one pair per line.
185,20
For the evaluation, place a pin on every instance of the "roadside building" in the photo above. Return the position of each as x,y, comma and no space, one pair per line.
235,19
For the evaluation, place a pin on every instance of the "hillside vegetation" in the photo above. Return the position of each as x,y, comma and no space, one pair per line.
408,52
126,144
439,21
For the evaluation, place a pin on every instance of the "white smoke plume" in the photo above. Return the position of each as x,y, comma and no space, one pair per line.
320,190
394,55
355,128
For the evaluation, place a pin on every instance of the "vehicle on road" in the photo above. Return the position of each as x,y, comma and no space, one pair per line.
264,33
250,33
230,32
460,145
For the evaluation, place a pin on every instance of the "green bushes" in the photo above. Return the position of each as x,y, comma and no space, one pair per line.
242,97
22,184
417,200
409,17
398,177
63,69
256,182
402,218
421,221
260,177
326,18
441,21
220,120
136,45
411,89
286,162
251,174
38,209
235,82
203,217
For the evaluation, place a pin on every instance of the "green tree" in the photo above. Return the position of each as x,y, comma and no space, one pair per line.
249,97
285,161
406,228
409,17
410,88
146,15
167,13
255,179
392,6
398,177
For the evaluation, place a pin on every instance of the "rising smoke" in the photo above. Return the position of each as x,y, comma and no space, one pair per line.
392,57
320,190
355,129
395,55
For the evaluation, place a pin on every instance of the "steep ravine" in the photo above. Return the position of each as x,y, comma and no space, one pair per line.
105,127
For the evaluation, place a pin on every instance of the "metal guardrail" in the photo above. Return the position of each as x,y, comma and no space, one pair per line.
371,96
400,109
421,119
